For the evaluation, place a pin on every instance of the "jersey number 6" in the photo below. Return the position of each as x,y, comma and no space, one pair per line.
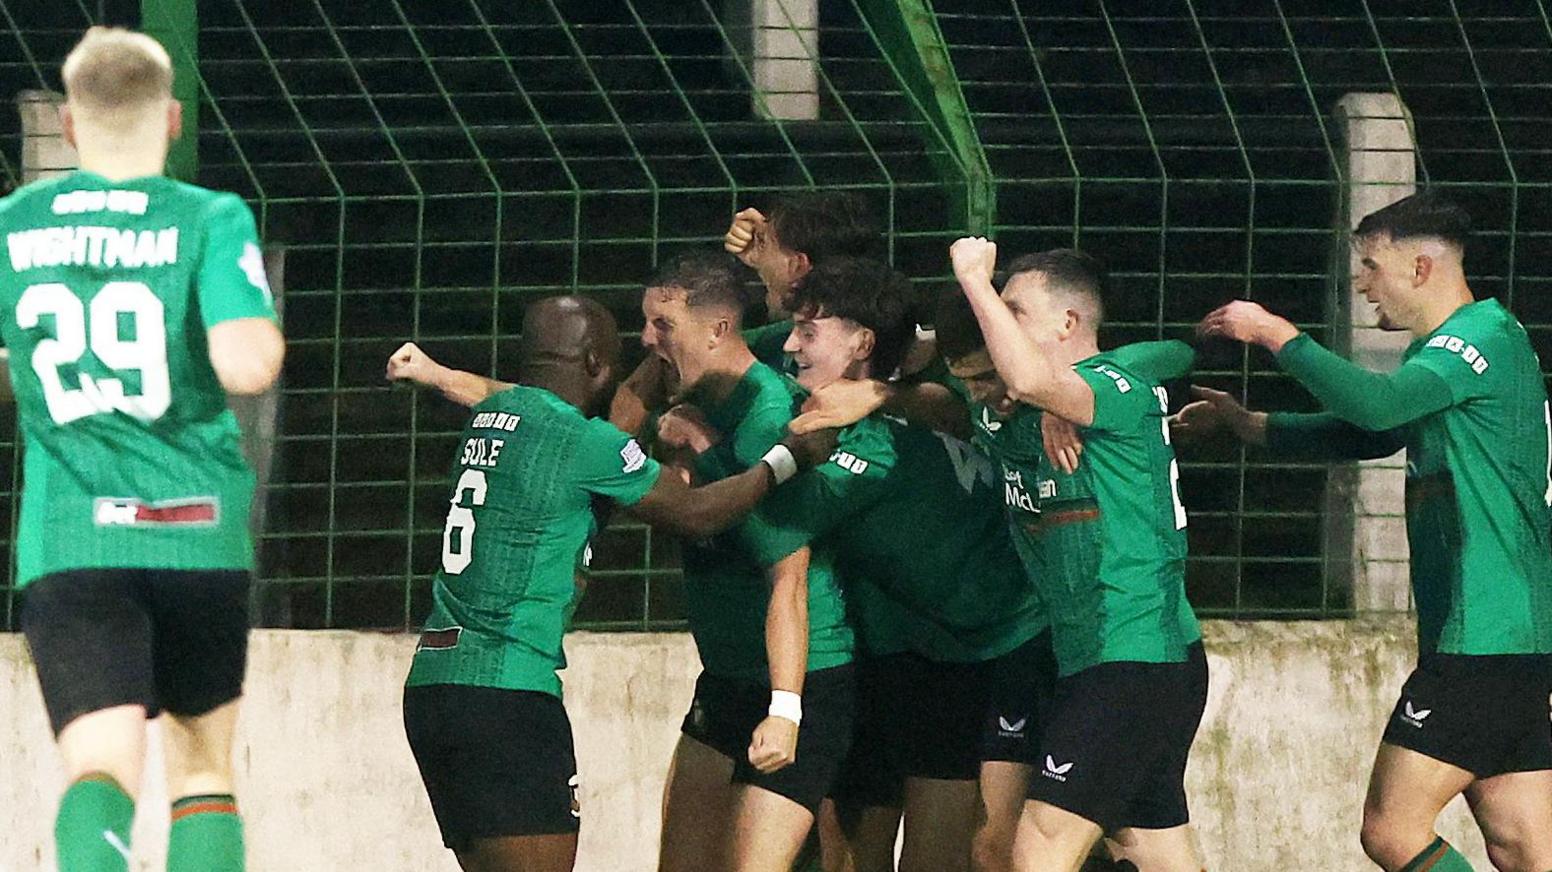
457,555
146,352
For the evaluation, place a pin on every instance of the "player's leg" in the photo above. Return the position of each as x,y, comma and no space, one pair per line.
1407,790
874,833
1512,800
1157,836
90,636
206,832
1157,850
938,718
940,819
500,771
869,790
1021,684
200,629
696,808
774,811
549,853
1003,787
768,830
1051,839
1514,811
1439,739
831,830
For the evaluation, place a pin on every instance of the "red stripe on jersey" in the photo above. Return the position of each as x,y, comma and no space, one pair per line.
188,513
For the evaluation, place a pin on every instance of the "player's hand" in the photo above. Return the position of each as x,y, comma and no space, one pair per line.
1244,321
411,365
774,746
812,448
743,235
839,404
684,426
645,389
974,259
1210,412
1062,442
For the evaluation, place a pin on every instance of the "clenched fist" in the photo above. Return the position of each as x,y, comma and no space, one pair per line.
410,364
974,259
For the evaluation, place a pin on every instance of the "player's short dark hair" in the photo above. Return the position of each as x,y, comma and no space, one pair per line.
958,332
865,292
1424,215
708,279
1070,270
826,224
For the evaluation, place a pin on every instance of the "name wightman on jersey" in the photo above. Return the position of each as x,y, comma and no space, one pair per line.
108,289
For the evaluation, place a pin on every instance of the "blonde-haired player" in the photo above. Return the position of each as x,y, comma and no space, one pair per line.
131,305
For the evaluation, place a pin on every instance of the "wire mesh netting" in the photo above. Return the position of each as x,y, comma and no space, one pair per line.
430,168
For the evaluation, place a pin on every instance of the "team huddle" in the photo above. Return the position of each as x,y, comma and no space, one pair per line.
935,577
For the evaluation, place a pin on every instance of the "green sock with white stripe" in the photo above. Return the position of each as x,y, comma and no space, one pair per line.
91,833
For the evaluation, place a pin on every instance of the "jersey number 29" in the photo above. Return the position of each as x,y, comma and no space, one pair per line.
74,331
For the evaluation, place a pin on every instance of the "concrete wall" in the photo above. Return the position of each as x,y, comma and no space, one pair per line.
327,782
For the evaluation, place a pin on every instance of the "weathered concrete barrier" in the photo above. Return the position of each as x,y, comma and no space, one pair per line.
327,783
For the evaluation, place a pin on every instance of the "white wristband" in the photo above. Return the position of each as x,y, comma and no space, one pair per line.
786,704
783,465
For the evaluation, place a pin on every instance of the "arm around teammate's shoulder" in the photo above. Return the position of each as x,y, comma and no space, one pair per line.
1371,400
246,354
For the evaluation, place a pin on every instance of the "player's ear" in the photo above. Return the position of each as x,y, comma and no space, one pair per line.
67,125
720,330
1422,268
798,265
174,119
593,362
1071,318
864,342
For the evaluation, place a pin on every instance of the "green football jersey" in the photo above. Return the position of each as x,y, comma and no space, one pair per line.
766,342
1105,545
528,468
1479,487
132,458
911,514
726,590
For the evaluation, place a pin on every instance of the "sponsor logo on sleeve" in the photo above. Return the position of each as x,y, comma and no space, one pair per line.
252,264
633,456
1467,351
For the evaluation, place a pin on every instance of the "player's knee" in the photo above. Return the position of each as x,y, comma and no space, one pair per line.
991,849
111,742
1516,855
1384,839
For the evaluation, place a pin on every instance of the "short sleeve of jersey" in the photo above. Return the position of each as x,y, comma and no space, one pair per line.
813,504
1119,402
231,281
612,464
1461,363
756,434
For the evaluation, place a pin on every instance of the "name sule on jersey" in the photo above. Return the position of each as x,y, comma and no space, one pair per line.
480,451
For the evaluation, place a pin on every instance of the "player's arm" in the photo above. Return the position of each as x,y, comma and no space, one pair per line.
847,401
1320,436
245,345
697,512
1032,376
1371,400
411,365
775,741
646,389
246,354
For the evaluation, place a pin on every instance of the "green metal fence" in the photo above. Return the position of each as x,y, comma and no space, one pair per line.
429,168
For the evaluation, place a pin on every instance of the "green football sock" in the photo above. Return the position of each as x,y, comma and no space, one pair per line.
206,836
91,833
1438,857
